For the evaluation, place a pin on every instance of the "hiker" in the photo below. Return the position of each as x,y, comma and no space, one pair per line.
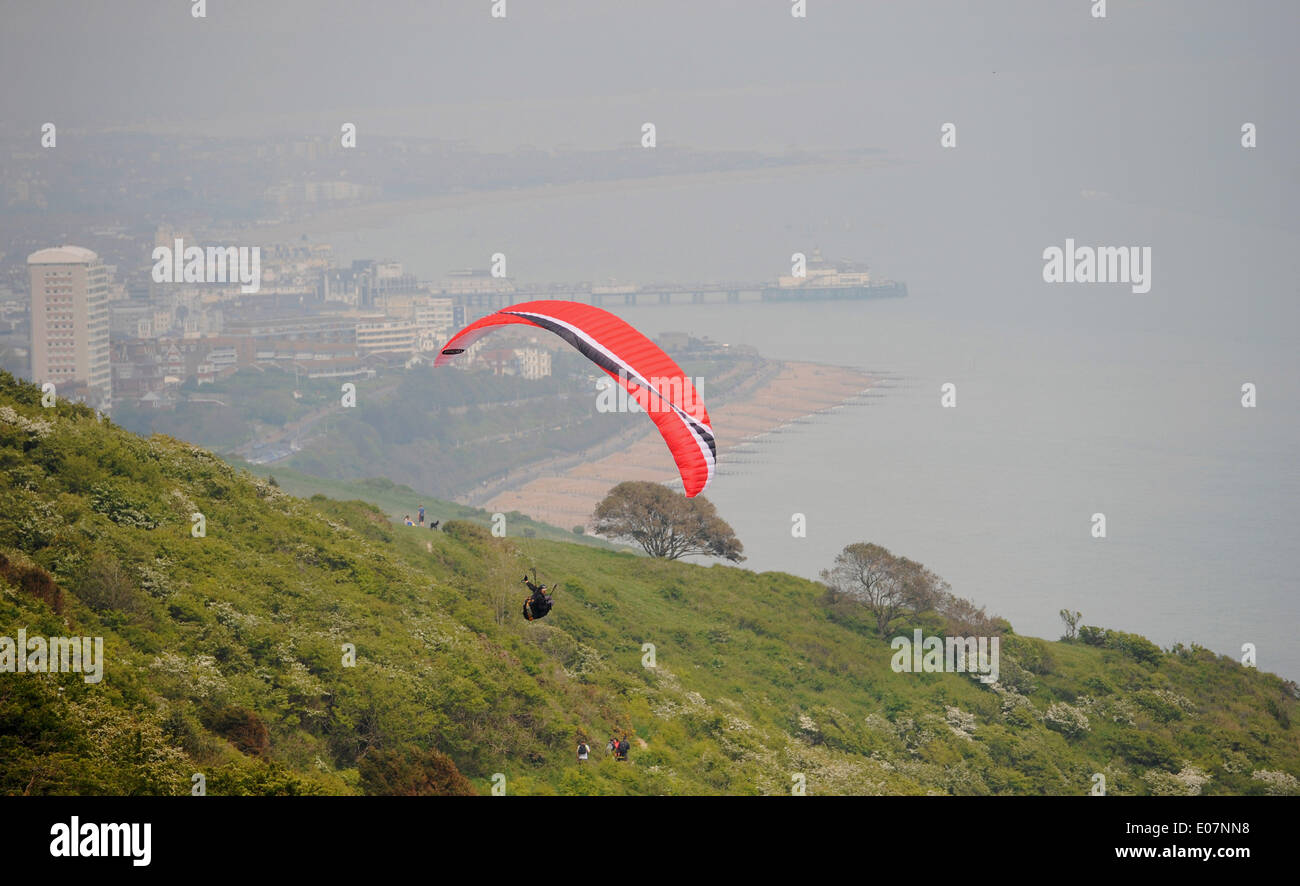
623,748
407,520
420,515
583,751
612,747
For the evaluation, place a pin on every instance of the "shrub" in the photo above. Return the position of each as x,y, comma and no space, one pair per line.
1017,677
244,729
463,530
1132,645
259,779
1162,704
1098,685
1145,749
1067,720
107,585
35,582
1029,652
1277,783
1092,636
113,502
1135,646
412,772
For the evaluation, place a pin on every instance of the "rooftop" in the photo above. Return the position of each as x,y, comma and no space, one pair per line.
62,255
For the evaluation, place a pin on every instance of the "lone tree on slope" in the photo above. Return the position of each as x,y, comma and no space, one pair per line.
886,584
665,523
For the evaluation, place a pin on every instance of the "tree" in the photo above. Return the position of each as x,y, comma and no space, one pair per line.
1071,620
964,618
665,523
874,577
923,591
888,585
107,585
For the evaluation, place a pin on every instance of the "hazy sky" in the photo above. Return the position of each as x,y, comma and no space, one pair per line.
586,71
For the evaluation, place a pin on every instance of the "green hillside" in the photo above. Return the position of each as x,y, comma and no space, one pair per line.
397,500
224,657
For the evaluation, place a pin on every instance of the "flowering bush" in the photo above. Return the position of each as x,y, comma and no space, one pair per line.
1276,783
1067,720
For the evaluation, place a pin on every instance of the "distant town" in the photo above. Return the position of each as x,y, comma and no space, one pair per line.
103,338
87,305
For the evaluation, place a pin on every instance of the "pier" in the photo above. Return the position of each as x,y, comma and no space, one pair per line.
667,294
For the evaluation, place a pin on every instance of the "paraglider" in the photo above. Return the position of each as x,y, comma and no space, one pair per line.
540,601
650,377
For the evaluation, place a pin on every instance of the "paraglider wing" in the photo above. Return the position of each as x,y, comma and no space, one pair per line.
648,374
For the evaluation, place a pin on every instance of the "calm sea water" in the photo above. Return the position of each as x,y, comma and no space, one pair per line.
1200,495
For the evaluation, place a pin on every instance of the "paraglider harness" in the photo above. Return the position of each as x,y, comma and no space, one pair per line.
539,603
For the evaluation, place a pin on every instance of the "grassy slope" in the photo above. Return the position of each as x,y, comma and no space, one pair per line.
397,500
224,657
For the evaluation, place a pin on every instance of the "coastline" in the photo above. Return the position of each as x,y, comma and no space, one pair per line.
371,215
566,497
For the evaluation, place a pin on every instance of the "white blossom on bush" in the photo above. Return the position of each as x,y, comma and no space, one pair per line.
1011,699
1067,720
961,723
1276,783
38,428
199,675
1185,783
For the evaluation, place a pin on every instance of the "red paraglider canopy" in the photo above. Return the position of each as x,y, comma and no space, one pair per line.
648,374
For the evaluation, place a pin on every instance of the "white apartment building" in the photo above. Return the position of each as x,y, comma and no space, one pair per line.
69,319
